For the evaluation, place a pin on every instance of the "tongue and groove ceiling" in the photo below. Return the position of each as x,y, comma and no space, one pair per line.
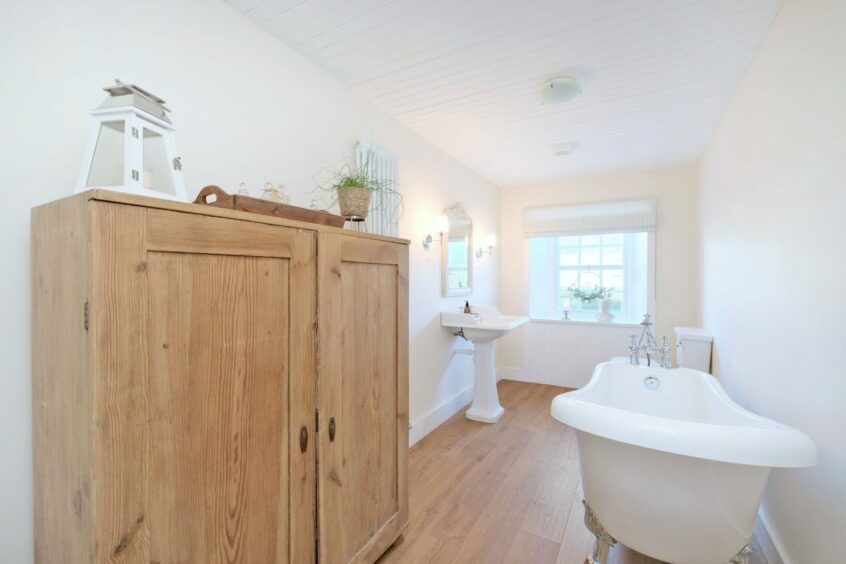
467,74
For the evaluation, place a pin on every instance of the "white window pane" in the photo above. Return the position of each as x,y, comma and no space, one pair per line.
589,279
614,239
590,256
612,256
569,257
591,240
616,302
567,278
568,241
613,279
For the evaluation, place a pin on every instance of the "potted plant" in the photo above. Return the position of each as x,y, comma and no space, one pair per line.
354,188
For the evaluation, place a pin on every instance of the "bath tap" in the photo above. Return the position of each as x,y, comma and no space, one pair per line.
649,346
665,352
633,351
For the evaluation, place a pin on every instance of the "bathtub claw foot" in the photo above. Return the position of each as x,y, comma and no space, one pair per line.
741,557
604,541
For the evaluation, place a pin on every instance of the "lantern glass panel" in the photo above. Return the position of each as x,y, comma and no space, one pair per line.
107,164
157,174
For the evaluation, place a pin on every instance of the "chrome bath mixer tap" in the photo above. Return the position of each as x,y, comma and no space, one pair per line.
649,346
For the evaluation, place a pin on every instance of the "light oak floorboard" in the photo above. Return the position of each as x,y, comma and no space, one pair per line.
502,493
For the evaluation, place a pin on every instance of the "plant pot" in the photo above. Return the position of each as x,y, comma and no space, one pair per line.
354,202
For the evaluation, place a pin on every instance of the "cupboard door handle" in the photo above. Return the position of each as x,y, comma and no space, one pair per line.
303,439
331,429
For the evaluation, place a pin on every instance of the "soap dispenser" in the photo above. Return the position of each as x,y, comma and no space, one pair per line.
466,306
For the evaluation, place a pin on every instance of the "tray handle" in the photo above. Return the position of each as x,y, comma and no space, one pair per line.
212,196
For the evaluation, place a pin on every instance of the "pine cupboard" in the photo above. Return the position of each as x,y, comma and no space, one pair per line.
215,386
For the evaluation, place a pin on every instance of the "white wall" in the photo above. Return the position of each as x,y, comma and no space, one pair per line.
773,203
246,108
566,354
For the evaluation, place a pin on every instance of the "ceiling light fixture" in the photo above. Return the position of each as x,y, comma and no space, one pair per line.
560,89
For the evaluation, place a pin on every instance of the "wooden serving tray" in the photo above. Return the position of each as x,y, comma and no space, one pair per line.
265,207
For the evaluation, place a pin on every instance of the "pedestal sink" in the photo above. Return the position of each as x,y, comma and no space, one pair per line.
483,329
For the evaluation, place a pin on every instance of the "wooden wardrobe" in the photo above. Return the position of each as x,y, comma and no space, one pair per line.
215,386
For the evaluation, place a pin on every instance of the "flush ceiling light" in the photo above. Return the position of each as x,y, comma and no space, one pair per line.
560,89
566,148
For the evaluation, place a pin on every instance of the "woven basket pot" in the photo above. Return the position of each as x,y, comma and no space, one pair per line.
354,202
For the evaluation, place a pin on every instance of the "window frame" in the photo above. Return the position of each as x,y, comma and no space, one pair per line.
542,311
628,252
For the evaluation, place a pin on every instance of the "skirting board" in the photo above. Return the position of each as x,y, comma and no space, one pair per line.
771,547
519,375
437,416
509,373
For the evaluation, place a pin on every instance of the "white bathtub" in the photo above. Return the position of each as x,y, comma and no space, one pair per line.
675,472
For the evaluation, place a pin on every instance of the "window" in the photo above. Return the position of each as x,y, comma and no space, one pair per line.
582,254
566,272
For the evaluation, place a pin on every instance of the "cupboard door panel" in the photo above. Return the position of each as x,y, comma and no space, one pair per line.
120,434
361,390
203,375
367,411
219,409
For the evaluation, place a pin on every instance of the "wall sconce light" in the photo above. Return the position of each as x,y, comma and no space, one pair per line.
441,227
490,243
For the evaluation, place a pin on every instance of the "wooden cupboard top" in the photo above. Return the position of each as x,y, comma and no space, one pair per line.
158,203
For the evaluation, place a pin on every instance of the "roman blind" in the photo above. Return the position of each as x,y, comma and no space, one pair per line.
618,216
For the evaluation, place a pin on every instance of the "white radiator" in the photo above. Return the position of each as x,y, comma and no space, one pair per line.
385,207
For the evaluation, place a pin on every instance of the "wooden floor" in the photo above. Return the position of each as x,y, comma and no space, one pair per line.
502,493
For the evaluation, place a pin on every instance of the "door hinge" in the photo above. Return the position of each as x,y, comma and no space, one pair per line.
316,420
86,316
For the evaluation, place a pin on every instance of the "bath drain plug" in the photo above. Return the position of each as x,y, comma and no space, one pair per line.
651,382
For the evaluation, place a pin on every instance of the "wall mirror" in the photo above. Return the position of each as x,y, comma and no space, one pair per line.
457,253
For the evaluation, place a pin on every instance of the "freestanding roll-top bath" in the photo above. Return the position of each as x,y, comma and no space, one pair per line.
671,466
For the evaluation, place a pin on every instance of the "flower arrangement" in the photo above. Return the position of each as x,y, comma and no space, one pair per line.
589,296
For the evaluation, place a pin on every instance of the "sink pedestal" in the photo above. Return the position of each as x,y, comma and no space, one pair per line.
485,406
483,328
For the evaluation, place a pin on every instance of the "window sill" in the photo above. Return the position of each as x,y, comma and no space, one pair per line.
554,321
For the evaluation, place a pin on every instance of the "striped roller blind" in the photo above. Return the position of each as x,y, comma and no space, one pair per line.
619,216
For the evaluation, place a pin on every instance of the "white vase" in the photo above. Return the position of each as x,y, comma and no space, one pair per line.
605,316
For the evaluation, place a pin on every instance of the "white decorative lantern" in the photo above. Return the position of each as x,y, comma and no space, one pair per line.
131,147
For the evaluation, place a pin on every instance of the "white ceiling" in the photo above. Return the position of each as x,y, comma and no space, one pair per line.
466,74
